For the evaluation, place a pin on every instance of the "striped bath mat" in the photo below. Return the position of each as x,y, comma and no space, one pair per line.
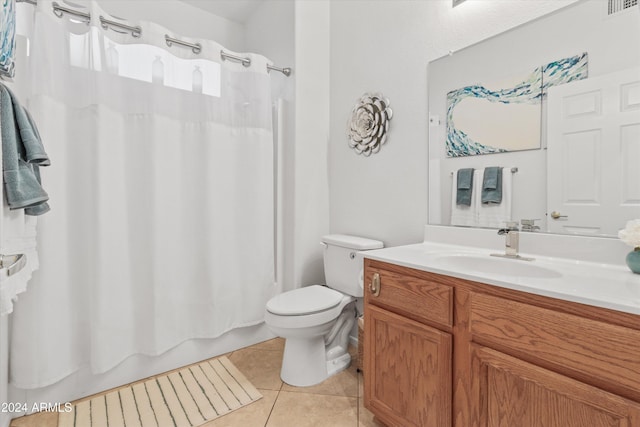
189,397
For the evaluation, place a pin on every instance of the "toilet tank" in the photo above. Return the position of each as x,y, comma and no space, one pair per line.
343,261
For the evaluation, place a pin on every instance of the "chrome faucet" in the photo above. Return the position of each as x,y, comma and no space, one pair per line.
512,242
512,239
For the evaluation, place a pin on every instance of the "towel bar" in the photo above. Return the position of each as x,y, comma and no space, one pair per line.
16,263
513,170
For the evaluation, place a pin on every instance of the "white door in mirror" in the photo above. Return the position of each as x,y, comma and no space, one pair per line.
593,152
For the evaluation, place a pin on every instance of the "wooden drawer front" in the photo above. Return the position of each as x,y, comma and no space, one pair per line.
592,351
419,299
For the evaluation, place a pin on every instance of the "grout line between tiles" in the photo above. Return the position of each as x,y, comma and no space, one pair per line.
272,407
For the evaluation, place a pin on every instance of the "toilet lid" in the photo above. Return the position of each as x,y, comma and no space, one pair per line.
307,300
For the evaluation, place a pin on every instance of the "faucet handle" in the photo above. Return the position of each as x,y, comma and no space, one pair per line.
512,225
529,224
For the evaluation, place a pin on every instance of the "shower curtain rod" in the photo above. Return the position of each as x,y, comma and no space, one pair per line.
136,31
247,61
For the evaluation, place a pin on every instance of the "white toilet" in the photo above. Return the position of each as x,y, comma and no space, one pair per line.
316,320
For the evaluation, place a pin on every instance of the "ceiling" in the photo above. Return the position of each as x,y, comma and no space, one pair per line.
234,10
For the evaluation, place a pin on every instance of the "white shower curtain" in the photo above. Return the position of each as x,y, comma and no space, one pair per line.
161,222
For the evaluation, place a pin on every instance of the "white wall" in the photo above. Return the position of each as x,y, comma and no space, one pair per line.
385,46
5,417
310,180
270,31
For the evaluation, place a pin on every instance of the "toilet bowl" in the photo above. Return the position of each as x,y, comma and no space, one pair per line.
316,320
316,334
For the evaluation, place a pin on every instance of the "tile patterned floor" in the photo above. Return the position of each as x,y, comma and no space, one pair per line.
337,402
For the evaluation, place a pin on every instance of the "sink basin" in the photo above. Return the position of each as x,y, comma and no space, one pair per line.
497,266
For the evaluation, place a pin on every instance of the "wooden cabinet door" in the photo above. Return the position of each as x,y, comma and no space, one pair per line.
407,368
508,392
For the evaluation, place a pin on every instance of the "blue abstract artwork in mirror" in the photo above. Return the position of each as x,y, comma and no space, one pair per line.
7,37
505,116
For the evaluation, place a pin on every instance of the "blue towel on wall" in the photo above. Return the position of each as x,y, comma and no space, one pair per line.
492,185
464,187
22,154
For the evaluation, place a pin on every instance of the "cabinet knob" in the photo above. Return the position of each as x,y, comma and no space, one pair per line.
374,286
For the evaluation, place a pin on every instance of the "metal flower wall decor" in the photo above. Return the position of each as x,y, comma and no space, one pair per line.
369,124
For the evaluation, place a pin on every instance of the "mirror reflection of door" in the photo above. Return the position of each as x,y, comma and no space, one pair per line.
593,154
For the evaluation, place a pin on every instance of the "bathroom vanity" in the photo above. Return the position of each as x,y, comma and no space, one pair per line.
555,344
457,337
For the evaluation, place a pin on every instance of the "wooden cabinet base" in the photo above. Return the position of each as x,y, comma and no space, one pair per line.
442,351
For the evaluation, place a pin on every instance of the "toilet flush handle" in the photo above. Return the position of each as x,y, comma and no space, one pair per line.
374,286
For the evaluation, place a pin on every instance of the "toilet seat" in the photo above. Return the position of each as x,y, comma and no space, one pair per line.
304,301
305,307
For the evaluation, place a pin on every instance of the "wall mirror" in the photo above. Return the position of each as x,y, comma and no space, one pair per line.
575,153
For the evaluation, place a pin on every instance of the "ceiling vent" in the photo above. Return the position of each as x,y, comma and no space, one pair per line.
616,6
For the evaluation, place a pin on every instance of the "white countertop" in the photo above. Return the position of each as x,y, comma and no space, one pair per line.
604,285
